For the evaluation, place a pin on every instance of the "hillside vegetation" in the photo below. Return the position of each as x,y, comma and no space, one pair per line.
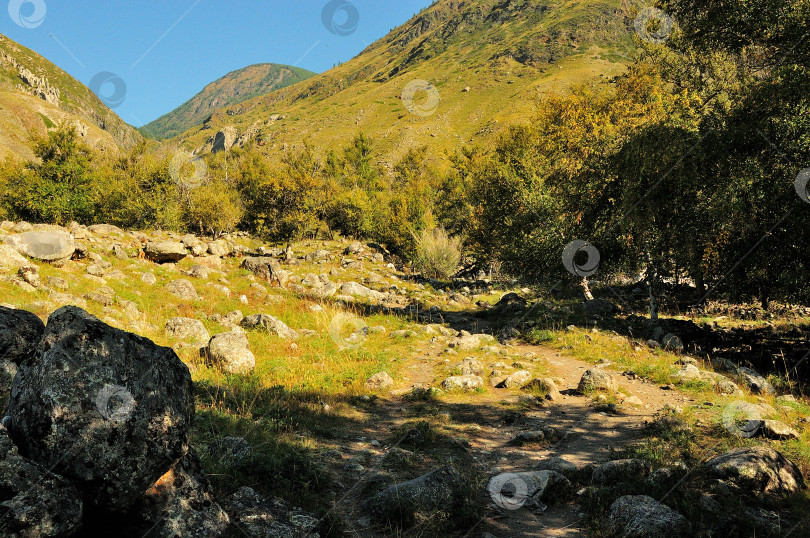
228,91
35,95
488,60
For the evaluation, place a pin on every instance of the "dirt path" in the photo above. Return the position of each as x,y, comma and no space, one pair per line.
589,436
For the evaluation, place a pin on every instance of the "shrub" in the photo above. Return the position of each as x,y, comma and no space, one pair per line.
437,254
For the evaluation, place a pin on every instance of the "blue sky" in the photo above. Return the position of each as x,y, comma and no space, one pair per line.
165,51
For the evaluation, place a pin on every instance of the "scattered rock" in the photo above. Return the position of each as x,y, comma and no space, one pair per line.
593,380
438,490
230,351
470,366
229,450
11,259
50,246
188,330
260,516
182,289
757,469
620,471
270,324
380,381
516,380
466,383
165,252
530,488
639,516
108,410
672,342
775,429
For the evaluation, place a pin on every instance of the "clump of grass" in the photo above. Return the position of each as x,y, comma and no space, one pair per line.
437,254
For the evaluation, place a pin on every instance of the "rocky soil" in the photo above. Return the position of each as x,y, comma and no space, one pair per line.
467,430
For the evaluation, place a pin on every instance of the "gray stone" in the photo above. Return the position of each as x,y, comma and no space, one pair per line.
182,289
465,383
20,334
260,516
560,465
149,279
757,470
229,450
358,290
672,342
35,501
46,245
616,471
689,372
470,366
529,489
267,269
516,380
110,411
231,353
11,259
471,341
438,490
775,429
379,382
639,516
165,251
270,324
188,330
596,379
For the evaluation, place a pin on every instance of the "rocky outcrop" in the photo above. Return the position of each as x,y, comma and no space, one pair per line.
224,139
593,380
108,410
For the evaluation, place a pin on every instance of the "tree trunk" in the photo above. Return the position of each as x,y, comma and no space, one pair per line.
586,289
652,281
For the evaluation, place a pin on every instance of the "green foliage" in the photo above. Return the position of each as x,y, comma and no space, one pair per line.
58,189
437,254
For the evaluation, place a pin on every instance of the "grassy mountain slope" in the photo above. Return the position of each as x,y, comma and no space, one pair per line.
489,60
35,95
229,90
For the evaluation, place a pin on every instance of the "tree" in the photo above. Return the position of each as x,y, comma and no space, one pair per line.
60,187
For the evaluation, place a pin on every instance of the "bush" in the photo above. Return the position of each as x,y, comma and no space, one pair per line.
437,254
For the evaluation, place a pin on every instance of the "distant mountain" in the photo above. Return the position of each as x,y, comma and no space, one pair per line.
228,91
35,95
456,73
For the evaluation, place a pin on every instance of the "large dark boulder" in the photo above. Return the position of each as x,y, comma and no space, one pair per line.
181,503
106,409
20,333
33,500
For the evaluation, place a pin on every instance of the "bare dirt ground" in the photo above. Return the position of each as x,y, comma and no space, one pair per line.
488,426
